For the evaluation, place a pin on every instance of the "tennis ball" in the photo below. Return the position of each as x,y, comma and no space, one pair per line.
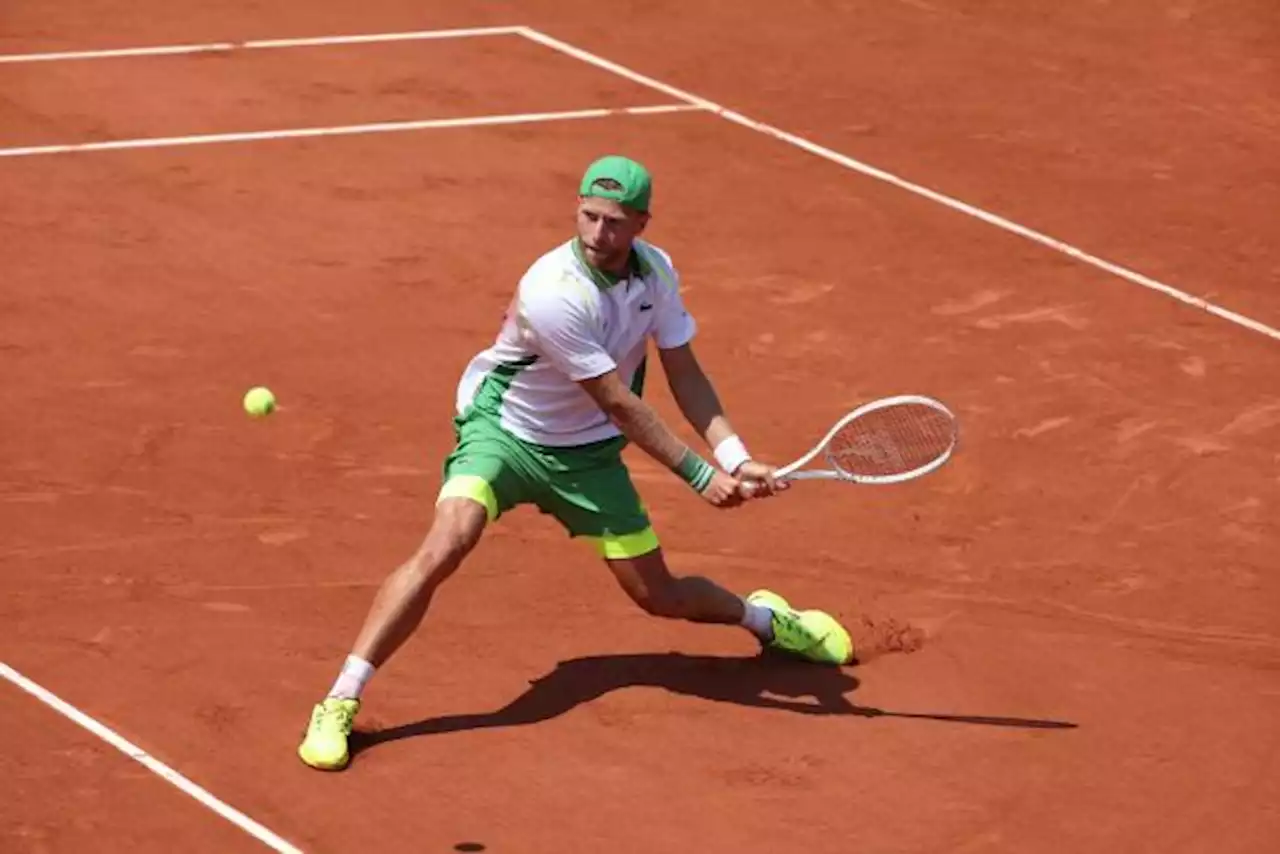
259,401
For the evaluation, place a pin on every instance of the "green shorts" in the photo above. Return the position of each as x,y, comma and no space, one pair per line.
587,488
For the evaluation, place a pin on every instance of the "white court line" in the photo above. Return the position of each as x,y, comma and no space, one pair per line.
347,130
231,814
260,44
881,175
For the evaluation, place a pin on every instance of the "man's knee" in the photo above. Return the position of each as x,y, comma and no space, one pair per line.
455,531
650,584
661,601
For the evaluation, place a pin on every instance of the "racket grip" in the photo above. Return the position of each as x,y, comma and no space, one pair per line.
749,488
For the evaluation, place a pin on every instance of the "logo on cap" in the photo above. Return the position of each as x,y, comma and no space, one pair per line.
608,184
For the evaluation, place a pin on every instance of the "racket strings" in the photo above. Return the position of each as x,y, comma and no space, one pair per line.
892,441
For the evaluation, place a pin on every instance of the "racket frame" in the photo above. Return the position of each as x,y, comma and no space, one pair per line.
796,470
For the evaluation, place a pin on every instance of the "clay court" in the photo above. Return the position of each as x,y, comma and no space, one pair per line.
1013,207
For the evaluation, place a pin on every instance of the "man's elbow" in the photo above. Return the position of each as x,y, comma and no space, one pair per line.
614,399
617,411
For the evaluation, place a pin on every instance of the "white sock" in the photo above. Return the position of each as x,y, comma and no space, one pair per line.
351,680
758,619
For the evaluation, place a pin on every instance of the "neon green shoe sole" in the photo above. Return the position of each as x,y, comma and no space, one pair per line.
324,746
812,635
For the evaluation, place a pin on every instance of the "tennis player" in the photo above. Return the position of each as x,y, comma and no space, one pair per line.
542,418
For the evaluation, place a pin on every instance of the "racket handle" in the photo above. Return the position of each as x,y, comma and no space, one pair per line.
749,487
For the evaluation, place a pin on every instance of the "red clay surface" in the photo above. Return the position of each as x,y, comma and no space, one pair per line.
65,790
1101,553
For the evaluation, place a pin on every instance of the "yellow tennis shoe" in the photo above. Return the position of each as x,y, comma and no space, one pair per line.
325,744
812,635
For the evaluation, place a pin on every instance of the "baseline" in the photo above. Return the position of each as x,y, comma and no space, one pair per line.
348,130
258,44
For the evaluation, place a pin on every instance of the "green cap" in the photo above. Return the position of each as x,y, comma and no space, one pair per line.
618,178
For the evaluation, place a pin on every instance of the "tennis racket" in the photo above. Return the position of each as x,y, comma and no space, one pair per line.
890,440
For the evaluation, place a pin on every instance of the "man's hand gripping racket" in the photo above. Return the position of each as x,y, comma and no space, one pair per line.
890,440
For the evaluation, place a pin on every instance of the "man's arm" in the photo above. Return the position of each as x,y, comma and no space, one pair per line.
639,423
695,395
698,402
697,399
674,329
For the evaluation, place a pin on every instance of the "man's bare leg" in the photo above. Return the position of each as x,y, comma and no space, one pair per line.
397,610
811,635
650,584
402,601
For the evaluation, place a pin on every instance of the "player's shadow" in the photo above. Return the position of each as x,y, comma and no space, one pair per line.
763,681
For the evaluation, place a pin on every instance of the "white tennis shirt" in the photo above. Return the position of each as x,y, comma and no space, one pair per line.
566,323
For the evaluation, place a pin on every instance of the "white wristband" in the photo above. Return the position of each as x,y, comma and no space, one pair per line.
731,454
